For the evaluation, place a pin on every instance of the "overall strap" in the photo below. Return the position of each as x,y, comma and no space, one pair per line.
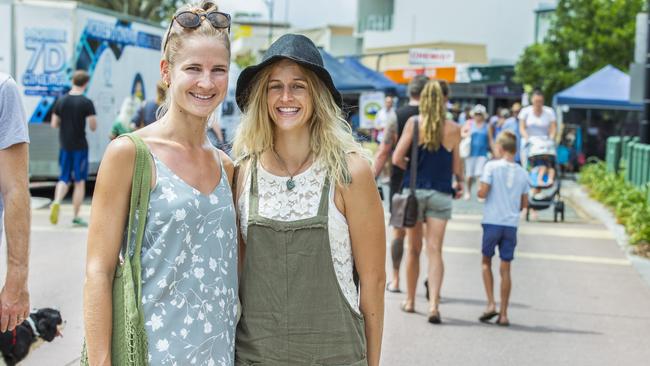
323,207
140,190
414,155
254,200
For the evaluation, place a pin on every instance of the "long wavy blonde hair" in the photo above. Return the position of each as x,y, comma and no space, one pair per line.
330,135
433,114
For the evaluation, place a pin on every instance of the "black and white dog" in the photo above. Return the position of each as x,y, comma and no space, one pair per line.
42,325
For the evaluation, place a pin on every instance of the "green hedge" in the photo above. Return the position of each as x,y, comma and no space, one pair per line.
629,203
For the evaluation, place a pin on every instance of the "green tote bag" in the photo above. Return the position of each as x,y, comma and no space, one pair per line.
129,340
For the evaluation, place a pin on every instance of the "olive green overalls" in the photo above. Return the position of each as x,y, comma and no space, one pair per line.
293,310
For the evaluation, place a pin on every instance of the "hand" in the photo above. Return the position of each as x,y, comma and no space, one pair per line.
14,306
458,188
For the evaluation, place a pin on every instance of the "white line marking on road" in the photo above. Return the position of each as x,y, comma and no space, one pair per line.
546,256
540,230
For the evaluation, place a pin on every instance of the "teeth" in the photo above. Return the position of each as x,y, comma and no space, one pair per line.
288,110
204,97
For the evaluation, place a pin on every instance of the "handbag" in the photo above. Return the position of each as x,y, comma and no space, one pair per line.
129,338
465,146
404,211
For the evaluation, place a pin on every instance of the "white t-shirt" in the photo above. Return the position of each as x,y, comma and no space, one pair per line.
384,118
537,125
13,123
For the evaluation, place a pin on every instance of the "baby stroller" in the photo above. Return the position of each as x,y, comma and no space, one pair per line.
543,177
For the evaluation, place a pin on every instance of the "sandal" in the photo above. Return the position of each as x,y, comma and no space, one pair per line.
392,289
502,324
434,318
406,308
487,316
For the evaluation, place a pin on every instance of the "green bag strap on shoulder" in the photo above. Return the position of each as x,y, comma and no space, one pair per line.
140,190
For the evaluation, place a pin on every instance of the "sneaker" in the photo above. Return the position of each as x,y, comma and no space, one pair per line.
54,213
78,221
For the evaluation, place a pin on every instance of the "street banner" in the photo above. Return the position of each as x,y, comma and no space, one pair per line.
426,56
369,104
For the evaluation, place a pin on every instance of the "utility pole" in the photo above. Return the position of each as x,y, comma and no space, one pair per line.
269,4
644,127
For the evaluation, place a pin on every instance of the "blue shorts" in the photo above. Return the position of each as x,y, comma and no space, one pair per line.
74,165
504,237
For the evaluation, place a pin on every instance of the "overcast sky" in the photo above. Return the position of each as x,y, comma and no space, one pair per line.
300,13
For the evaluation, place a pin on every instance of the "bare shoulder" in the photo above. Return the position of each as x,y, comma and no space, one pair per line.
360,170
120,148
452,126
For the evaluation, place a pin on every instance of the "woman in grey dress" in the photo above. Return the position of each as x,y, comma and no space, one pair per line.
189,253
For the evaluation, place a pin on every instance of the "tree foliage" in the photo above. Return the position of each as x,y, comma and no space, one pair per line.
153,10
585,35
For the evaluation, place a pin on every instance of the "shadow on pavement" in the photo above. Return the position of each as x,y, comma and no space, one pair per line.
453,300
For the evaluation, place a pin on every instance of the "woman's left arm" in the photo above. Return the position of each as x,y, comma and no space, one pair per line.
365,216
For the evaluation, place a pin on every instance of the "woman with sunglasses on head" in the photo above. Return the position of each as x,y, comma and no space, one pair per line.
309,214
189,250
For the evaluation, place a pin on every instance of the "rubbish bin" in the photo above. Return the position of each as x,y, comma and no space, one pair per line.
613,154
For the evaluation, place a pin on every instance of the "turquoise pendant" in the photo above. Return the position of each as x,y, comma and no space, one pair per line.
291,184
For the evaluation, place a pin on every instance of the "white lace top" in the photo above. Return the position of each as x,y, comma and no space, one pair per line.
276,202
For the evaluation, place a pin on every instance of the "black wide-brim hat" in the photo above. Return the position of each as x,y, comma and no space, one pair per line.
294,47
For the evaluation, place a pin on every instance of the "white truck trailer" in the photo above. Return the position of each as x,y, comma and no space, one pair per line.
43,42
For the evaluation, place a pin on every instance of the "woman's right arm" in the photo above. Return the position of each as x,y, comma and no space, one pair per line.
109,211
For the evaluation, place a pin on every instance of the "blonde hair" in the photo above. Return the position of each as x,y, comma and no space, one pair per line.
508,141
330,134
176,35
433,115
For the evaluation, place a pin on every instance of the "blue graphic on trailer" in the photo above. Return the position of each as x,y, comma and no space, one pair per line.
48,45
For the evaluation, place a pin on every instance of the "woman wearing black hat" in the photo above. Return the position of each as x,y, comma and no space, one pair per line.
309,213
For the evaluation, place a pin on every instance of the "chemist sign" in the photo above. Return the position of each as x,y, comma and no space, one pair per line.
428,56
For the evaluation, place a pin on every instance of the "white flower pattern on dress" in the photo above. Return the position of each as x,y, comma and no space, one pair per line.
278,203
189,273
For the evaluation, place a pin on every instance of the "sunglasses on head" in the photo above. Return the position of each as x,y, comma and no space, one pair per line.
191,20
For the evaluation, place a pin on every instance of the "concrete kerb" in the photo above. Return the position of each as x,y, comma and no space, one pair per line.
585,205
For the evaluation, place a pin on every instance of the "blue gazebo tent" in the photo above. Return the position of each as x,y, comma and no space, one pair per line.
378,79
608,88
345,80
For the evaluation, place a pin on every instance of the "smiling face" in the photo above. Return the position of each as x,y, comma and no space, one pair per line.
199,76
289,102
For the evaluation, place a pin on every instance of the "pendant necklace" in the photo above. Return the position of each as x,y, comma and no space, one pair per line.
291,184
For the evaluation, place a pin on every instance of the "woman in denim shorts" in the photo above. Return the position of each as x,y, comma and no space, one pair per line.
438,161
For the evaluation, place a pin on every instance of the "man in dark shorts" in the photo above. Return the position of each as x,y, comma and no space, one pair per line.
71,112
391,136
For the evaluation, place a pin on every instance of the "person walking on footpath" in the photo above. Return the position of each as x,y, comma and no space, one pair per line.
477,130
147,113
14,200
189,252
384,118
71,113
438,161
536,120
309,214
504,186
386,147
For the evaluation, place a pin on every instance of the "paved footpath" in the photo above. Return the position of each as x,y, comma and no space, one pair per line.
576,299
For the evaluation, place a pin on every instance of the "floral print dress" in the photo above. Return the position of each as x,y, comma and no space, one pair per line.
189,273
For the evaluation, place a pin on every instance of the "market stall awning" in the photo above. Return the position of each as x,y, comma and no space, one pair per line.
378,79
345,80
608,88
